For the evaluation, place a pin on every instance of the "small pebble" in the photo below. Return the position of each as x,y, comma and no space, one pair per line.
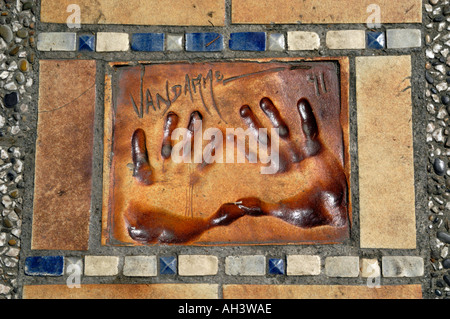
439,167
27,6
446,10
22,33
12,242
7,223
446,263
14,50
444,237
20,78
11,99
23,65
428,77
447,279
6,33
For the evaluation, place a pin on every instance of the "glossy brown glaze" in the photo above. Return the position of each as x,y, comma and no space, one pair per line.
309,128
207,202
142,171
275,117
169,126
324,203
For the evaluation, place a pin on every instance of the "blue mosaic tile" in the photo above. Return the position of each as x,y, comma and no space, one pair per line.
276,266
86,43
375,40
167,265
248,41
44,266
204,42
149,42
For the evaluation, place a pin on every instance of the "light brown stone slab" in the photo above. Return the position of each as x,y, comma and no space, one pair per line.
320,292
324,11
385,151
62,195
117,291
136,12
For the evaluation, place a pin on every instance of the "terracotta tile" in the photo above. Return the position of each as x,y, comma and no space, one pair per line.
320,292
62,195
137,12
117,291
177,199
323,11
385,151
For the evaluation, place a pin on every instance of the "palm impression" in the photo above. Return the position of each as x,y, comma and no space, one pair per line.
223,153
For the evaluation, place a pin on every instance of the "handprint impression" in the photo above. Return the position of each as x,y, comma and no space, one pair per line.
324,202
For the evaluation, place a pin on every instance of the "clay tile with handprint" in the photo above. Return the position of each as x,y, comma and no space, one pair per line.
247,152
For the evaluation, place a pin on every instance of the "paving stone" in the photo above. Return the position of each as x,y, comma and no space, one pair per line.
57,41
247,41
403,38
112,41
346,39
138,12
402,266
342,266
174,42
44,266
62,193
303,40
122,291
140,266
276,42
303,265
149,42
321,292
197,265
101,265
86,43
385,152
245,265
370,268
323,12
204,42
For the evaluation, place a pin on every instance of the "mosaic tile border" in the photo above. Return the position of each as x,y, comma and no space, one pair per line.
238,41
239,265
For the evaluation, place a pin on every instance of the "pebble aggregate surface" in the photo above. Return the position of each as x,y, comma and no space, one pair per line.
17,58
437,76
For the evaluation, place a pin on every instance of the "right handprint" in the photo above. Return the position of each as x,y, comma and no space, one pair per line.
324,202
